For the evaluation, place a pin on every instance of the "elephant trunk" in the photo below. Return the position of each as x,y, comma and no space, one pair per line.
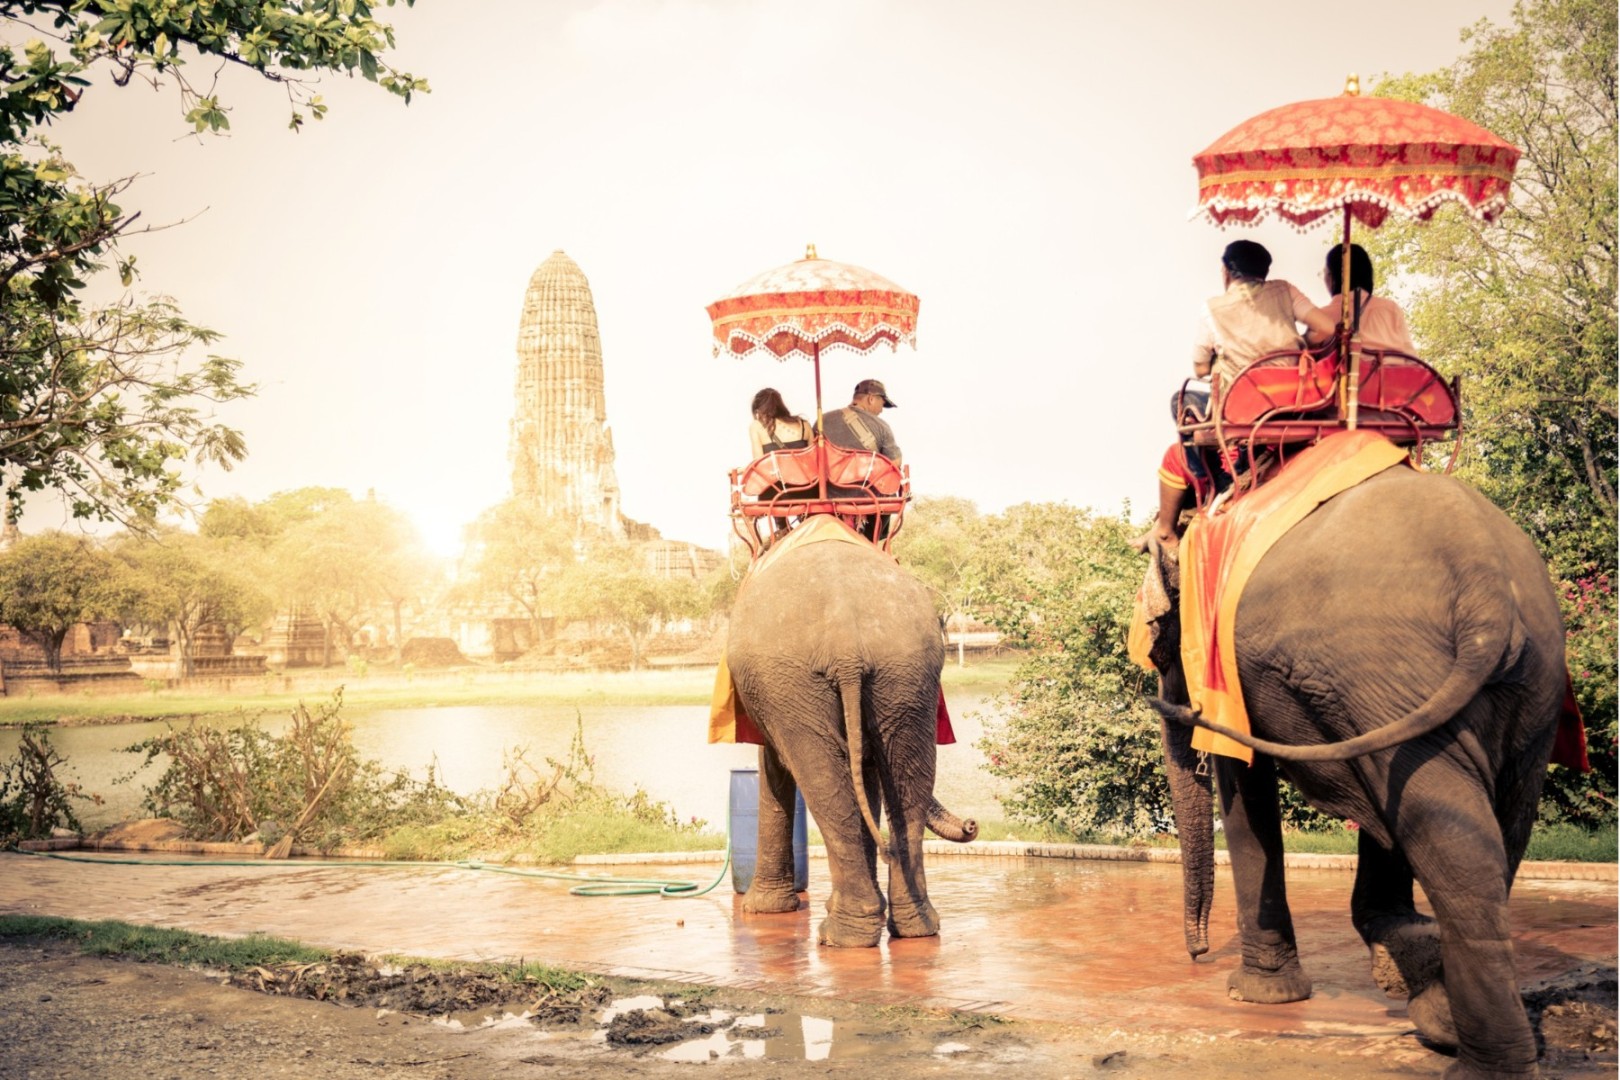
1191,805
947,826
1191,794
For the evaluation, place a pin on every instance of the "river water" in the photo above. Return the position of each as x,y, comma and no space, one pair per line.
659,748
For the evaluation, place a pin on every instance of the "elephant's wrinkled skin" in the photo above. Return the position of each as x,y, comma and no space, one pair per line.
836,655
1407,602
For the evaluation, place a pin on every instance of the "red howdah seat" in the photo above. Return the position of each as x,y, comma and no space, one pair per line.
862,485
1293,396
791,474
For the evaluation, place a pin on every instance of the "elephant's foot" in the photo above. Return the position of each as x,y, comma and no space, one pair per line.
763,900
1269,987
1405,953
849,925
849,933
1430,1012
913,920
1466,1070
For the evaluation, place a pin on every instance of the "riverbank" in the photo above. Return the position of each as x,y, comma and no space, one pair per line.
386,688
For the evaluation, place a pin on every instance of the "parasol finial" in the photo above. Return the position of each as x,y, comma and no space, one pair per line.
1352,85
810,251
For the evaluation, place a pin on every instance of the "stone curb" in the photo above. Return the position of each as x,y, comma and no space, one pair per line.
1003,849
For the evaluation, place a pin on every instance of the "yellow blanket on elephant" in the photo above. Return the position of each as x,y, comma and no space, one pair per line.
1220,551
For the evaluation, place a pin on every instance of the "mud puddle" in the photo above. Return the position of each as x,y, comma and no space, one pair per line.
701,1032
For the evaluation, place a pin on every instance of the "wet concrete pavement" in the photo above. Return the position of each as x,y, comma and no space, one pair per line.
1094,944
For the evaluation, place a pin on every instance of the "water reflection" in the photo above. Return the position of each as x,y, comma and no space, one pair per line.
660,748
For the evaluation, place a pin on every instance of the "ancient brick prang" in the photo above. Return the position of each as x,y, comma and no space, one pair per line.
562,449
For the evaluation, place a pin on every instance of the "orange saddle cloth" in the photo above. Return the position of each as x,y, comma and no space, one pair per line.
1220,551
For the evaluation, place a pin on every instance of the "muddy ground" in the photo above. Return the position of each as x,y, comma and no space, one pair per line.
71,1016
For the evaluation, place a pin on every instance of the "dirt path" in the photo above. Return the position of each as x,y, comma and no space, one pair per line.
69,1016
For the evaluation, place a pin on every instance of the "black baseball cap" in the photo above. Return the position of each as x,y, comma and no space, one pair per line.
872,386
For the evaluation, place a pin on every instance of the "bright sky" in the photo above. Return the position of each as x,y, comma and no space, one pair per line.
1024,167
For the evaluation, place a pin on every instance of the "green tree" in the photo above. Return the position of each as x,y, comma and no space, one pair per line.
185,582
520,555
613,589
103,403
344,560
937,544
52,582
1078,741
1526,311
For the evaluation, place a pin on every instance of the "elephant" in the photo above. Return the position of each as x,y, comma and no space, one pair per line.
1401,656
836,656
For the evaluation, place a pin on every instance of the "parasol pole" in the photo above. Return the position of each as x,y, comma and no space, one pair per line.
1349,355
821,440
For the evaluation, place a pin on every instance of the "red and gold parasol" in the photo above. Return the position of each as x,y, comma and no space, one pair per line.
811,306
1368,156
1365,157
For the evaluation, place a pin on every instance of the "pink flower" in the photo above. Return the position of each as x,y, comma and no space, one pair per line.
1350,825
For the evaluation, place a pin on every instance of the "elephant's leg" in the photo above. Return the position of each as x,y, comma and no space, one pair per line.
1270,972
908,785
772,888
855,907
1405,945
1455,845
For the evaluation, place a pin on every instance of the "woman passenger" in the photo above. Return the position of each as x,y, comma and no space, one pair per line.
1381,321
773,427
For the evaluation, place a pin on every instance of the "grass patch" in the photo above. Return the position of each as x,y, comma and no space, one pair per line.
981,675
1571,843
150,944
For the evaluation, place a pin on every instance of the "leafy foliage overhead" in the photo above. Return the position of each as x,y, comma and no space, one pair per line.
103,404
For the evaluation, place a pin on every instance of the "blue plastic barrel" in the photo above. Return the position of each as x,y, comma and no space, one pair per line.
745,833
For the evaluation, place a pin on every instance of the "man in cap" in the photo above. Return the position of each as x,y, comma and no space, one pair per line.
860,424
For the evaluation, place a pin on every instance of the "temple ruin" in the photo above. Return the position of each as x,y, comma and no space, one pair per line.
562,448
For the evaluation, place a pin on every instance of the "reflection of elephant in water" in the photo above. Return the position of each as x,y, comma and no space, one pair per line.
836,655
1401,656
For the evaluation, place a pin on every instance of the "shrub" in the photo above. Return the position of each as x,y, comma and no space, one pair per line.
34,797
1588,799
229,784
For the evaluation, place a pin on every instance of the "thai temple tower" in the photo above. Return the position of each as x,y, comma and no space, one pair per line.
562,449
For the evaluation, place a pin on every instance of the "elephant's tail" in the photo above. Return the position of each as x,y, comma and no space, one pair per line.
1483,646
849,688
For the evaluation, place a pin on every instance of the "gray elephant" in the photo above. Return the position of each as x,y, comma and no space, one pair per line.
836,656
1401,655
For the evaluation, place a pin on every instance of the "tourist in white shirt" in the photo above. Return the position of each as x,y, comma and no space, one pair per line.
1381,322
